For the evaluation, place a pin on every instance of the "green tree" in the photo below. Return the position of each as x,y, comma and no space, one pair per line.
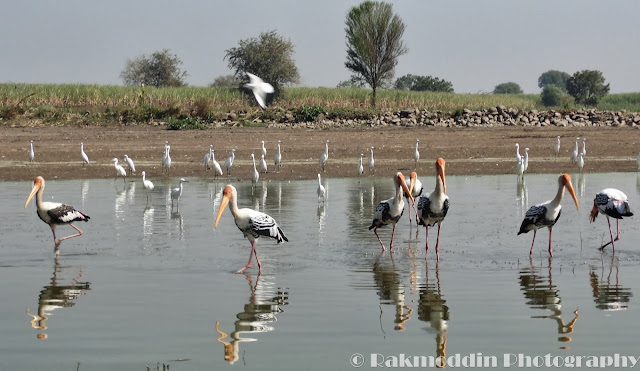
353,82
553,77
587,87
551,95
269,56
374,43
226,81
422,83
158,69
507,88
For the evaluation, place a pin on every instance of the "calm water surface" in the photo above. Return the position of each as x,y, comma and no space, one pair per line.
147,283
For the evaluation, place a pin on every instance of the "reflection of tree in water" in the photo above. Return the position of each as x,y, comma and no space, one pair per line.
606,294
56,296
391,290
432,309
257,316
541,293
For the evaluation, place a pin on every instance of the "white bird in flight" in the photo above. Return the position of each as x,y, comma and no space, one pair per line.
259,88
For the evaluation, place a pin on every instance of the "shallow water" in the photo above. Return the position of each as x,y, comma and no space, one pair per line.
147,283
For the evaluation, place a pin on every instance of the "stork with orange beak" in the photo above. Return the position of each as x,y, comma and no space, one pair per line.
433,207
390,211
415,187
54,213
251,223
547,214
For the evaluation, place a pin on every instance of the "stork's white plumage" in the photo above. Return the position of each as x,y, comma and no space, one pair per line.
264,150
612,203
547,214
120,171
416,155
325,155
229,162
372,161
176,192
32,154
259,88
556,149
85,158
251,223
322,192
390,211
360,167
148,185
130,164
166,158
433,207
263,164
574,154
277,161
217,170
255,175
415,186
54,213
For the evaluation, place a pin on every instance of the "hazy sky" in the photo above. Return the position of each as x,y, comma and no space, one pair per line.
475,44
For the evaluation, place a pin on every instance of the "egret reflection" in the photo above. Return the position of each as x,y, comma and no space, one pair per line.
581,184
541,293
57,295
433,310
522,198
608,294
84,191
258,315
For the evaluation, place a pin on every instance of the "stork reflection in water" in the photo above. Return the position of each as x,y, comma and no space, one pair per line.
432,309
391,290
608,293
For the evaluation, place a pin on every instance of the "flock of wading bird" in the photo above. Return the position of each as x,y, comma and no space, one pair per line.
430,209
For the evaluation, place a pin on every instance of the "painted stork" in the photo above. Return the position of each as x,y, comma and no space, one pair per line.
166,158
372,162
584,147
54,213
612,203
415,186
130,164
322,192
255,175
547,214
360,168
390,211
229,162
574,154
32,154
251,223
277,161
518,156
325,155
433,207
217,170
85,158
580,162
416,155
259,88
264,150
148,185
263,164
556,149
525,159
120,171
177,192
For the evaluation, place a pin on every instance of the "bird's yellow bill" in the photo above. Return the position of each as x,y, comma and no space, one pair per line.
441,165
412,184
35,189
406,189
573,194
223,205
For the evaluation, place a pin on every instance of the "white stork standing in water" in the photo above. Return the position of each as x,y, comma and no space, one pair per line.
390,211
416,155
277,161
372,161
612,203
32,154
574,154
85,158
120,171
217,170
322,193
415,186
251,223
130,164
547,214
556,149
433,207
325,155
229,162
54,213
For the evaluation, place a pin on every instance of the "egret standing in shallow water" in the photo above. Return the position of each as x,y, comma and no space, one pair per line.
177,192
166,158
580,162
372,161
325,155
277,161
255,175
229,162
264,150
129,161
390,211
547,214
217,170
120,171
251,223
574,154
360,168
148,185
416,155
556,149
322,192
259,88
612,203
263,164
32,154
85,158
54,213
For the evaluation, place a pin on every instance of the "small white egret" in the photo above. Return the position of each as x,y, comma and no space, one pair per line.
229,162
129,161
120,171
416,154
372,161
277,161
322,192
85,158
177,192
325,155
32,154
263,164
148,185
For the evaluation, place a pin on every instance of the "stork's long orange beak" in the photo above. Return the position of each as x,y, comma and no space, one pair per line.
223,205
403,184
412,182
567,183
440,165
34,190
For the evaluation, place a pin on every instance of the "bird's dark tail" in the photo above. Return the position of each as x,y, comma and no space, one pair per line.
281,236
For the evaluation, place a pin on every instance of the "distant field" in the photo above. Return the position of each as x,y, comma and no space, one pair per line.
51,101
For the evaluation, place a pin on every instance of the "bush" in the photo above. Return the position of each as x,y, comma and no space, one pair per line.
507,88
309,113
551,95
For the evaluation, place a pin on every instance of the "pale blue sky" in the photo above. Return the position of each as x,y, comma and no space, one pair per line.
474,44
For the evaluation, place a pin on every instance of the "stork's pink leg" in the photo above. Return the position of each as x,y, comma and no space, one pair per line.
393,232
438,244
610,235
550,252
253,250
533,241
375,230
618,229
